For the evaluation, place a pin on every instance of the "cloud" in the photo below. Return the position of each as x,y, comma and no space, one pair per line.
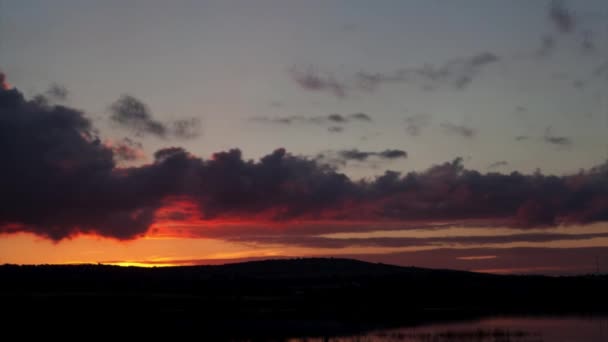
456,73
461,130
57,92
131,113
360,117
549,138
521,109
312,241
414,124
547,46
126,150
59,180
355,154
588,42
561,17
522,137
4,85
335,129
310,80
498,164
520,260
186,128
601,70
330,119
342,157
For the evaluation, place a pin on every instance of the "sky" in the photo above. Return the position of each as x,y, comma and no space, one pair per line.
449,134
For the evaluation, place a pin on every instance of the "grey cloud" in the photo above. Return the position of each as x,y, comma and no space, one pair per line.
561,17
456,73
186,128
550,138
57,92
131,113
498,164
460,130
415,123
309,79
333,119
342,157
547,46
588,42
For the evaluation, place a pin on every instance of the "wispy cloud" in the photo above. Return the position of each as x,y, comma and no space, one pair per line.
342,157
561,17
550,138
311,80
461,130
57,92
332,119
456,73
498,164
131,113
415,123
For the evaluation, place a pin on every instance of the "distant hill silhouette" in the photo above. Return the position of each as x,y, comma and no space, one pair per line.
307,294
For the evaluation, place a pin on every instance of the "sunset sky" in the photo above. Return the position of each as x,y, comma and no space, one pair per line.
464,134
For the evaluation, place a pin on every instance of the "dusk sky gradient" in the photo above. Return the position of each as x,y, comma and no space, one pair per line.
450,134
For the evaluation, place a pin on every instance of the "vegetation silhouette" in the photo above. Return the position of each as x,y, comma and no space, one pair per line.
313,296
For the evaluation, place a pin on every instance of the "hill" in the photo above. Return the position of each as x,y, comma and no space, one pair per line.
298,293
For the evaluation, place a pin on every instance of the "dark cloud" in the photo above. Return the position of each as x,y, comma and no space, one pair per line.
561,17
126,150
415,123
550,138
335,129
588,42
331,119
186,128
518,260
57,92
522,260
547,46
360,117
4,85
342,157
309,79
355,154
521,109
392,154
601,70
522,137
336,118
59,180
461,130
498,164
133,114
578,84
456,73
312,241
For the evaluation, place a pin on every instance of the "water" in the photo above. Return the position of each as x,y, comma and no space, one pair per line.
503,329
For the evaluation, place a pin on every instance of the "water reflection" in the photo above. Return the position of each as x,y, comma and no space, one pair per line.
505,329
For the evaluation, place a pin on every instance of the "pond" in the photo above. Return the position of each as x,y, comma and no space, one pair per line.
497,329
